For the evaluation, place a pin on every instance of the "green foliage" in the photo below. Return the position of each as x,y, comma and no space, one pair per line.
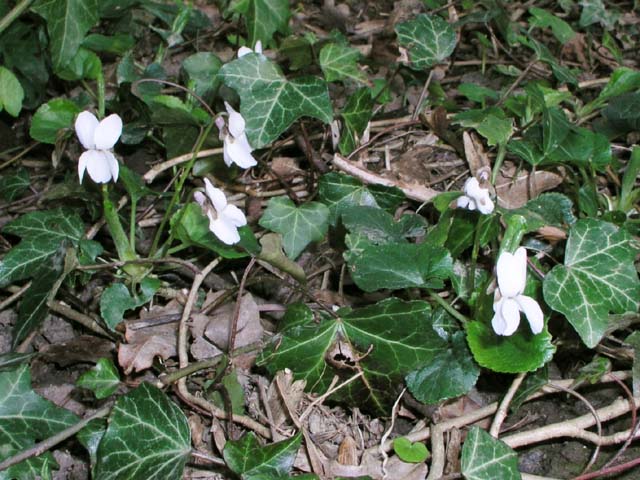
487,458
410,452
11,92
340,62
298,226
116,300
26,418
491,123
264,18
14,184
598,277
270,102
147,437
429,39
356,115
252,461
103,379
51,117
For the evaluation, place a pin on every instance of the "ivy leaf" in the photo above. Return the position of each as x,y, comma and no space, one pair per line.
52,117
116,300
487,458
247,458
265,17
598,277
201,69
397,265
42,234
25,418
385,341
11,92
555,128
103,379
553,209
356,115
67,23
270,102
429,39
379,227
521,352
339,191
15,184
340,62
147,438
299,226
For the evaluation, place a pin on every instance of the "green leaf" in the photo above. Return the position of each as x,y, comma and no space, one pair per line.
116,300
118,44
270,102
247,458
623,80
385,341
299,226
531,384
11,92
527,149
521,352
90,437
410,452
339,191
272,253
340,62
583,148
552,209
51,117
67,23
25,418
84,65
555,128
450,374
201,70
634,341
147,438
491,123
12,185
356,115
191,227
487,458
379,227
33,308
103,379
594,11
396,265
429,39
264,18
544,19
477,93
42,235
598,277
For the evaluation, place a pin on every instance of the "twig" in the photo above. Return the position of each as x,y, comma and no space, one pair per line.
608,471
14,296
40,448
327,394
118,264
394,414
634,424
172,377
172,162
81,318
502,412
208,458
233,328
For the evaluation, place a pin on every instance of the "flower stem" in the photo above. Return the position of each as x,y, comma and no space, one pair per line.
450,310
123,247
132,224
101,88
502,151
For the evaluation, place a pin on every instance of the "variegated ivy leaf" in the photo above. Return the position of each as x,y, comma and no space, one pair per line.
429,39
598,277
269,102
339,62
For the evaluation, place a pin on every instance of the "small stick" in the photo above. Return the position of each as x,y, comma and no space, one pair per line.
502,412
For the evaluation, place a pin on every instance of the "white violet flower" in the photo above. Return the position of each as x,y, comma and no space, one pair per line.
512,278
475,197
98,138
224,218
242,51
236,145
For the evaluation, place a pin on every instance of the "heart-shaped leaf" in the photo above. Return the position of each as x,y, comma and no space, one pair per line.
52,117
247,458
356,115
598,277
340,62
429,39
147,438
298,226
11,92
487,458
270,102
264,18
410,452
103,379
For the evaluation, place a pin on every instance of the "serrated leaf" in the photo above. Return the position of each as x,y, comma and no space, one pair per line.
42,235
450,374
269,102
598,277
385,341
299,226
429,39
103,379
147,438
265,17
25,418
67,23
487,458
339,191
12,185
340,62
247,458
356,115
11,92
116,300
521,352
396,265
52,117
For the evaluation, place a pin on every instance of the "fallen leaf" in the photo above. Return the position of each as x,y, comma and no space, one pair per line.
475,154
82,349
515,190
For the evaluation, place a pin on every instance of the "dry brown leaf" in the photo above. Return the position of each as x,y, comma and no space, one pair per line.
285,167
514,191
475,154
82,349
348,451
249,329
145,344
399,470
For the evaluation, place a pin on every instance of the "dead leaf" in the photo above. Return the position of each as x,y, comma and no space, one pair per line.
399,470
348,451
475,154
514,191
285,167
82,349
